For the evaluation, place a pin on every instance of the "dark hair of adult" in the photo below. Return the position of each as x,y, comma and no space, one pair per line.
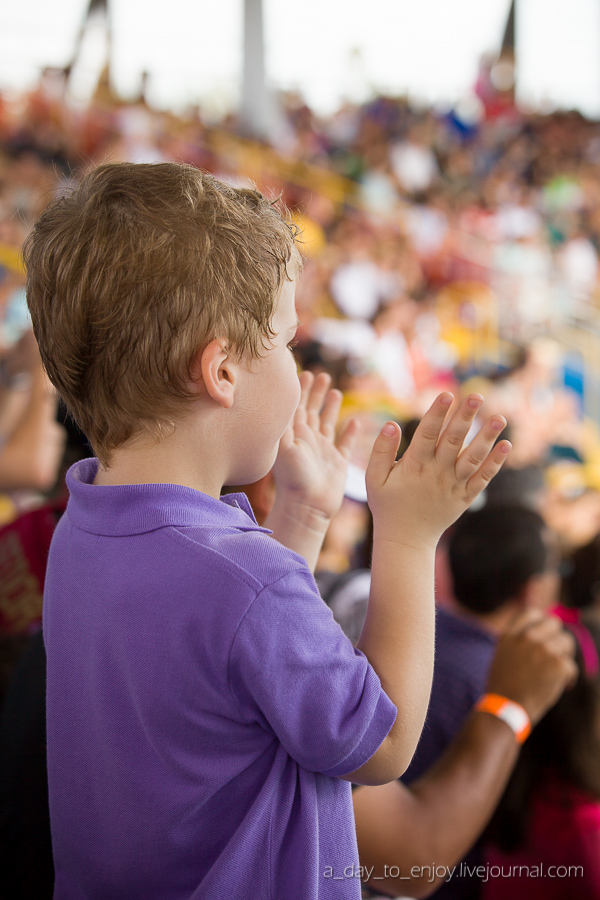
522,486
493,552
565,745
582,583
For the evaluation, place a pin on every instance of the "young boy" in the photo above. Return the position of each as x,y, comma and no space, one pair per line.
205,714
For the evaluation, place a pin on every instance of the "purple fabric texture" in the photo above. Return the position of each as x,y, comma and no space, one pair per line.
200,698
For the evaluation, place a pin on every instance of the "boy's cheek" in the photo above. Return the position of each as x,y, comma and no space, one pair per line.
298,394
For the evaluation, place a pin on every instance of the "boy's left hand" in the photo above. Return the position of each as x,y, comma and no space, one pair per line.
311,466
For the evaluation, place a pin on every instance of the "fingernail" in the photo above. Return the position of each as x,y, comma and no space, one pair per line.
446,399
506,447
475,402
497,424
389,429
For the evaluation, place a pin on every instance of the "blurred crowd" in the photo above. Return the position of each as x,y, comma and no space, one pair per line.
454,249
444,249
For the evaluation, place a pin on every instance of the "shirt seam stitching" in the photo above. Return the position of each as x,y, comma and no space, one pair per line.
237,571
369,727
237,630
245,719
270,872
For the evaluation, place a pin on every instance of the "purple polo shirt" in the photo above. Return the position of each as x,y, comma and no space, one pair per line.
201,701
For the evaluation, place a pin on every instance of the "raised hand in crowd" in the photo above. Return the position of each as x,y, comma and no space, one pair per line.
32,441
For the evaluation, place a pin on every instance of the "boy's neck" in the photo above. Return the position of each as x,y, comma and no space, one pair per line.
131,472
177,459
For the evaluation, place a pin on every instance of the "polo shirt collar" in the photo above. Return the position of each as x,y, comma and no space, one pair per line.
136,508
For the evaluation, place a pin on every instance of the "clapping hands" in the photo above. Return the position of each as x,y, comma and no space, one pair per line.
417,497
311,466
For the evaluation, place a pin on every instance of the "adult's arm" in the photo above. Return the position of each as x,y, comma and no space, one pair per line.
412,832
33,450
436,820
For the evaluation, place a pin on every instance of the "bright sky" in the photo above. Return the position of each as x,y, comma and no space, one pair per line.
326,48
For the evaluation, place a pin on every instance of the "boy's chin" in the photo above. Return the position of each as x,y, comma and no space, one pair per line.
252,474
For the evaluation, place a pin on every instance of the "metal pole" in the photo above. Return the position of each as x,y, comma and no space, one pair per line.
257,108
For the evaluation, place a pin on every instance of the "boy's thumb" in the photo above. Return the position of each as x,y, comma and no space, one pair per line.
383,454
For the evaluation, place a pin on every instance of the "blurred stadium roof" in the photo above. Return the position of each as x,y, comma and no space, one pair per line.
327,49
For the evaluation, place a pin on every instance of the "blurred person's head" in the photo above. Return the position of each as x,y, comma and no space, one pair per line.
572,505
524,486
399,316
581,585
135,272
501,559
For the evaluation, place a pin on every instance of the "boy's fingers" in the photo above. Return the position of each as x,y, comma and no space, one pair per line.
347,438
331,413
383,454
491,467
473,456
316,397
452,440
427,434
306,381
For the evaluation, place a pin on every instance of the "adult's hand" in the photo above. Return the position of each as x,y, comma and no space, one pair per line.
533,662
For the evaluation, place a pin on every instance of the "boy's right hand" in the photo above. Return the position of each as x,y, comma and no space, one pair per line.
416,498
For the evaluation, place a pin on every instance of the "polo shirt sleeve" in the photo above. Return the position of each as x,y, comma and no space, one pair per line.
292,670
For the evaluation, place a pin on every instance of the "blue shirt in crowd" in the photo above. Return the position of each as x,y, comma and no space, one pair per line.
463,655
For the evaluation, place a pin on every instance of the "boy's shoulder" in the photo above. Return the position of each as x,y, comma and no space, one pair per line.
251,555
178,527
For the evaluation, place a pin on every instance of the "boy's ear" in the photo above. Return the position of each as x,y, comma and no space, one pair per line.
217,369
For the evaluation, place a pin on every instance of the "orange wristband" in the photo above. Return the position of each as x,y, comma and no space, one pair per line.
510,712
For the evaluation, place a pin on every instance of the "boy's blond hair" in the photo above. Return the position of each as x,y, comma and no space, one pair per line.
133,272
